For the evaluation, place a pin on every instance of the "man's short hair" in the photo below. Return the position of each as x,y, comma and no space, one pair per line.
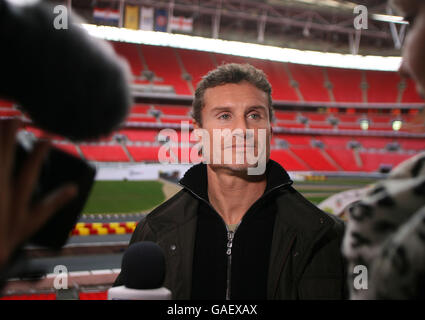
230,73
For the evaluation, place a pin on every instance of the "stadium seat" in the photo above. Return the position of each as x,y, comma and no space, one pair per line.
129,51
68,147
412,144
383,86
140,109
275,72
345,159
104,153
314,158
142,153
311,82
163,62
6,103
173,110
284,115
289,162
5,113
410,94
196,63
144,135
346,84
372,161
140,118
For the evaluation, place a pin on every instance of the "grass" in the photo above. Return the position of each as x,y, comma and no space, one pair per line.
316,200
338,181
142,196
124,196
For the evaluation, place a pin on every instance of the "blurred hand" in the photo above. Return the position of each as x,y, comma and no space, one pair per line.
19,220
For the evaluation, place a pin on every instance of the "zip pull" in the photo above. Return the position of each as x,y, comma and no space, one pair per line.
230,235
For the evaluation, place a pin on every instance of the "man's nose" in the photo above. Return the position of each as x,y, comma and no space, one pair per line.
240,123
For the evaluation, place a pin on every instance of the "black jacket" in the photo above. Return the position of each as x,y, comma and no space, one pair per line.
305,257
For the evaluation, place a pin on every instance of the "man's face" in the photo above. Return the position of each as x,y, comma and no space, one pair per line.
237,108
413,64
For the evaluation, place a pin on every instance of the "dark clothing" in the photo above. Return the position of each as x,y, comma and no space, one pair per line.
304,260
248,258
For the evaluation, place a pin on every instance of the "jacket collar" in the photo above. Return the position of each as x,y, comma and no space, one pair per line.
196,181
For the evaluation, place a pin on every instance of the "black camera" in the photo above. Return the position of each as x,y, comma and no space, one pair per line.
58,168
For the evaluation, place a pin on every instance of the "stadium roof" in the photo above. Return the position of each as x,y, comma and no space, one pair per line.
319,25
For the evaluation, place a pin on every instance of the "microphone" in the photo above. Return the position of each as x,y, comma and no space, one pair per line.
68,82
143,273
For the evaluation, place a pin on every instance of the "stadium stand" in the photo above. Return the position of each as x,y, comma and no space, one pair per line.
373,161
142,109
104,153
140,134
311,82
314,158
196,63
141,118
383,87
410,94
345,158
277,75
163,62
346,84
68,147
144,153
288,160
293,148
173,110
131,53
6,104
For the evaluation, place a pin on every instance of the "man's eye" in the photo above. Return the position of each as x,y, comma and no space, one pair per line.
224,116
254,116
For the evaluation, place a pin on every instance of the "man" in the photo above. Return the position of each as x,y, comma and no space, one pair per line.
231,235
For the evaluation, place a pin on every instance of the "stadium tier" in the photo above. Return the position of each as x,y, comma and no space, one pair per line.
296,152
196,63
346,84
132,54
105,153
163,62
182,69
328,139
382,86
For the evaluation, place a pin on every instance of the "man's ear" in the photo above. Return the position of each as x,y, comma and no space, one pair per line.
196,125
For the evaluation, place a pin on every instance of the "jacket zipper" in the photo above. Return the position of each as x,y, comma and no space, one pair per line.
231,235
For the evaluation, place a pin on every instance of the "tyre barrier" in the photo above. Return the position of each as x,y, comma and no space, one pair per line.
98,228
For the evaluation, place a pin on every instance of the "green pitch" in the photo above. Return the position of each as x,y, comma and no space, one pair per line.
143,196
124,196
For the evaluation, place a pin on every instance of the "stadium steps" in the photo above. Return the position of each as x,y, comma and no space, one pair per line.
410,94
124,147
294,84
364,86
184,74
80,152
401,88
358,159
330,159
328,85
142,58
310,81
299,159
